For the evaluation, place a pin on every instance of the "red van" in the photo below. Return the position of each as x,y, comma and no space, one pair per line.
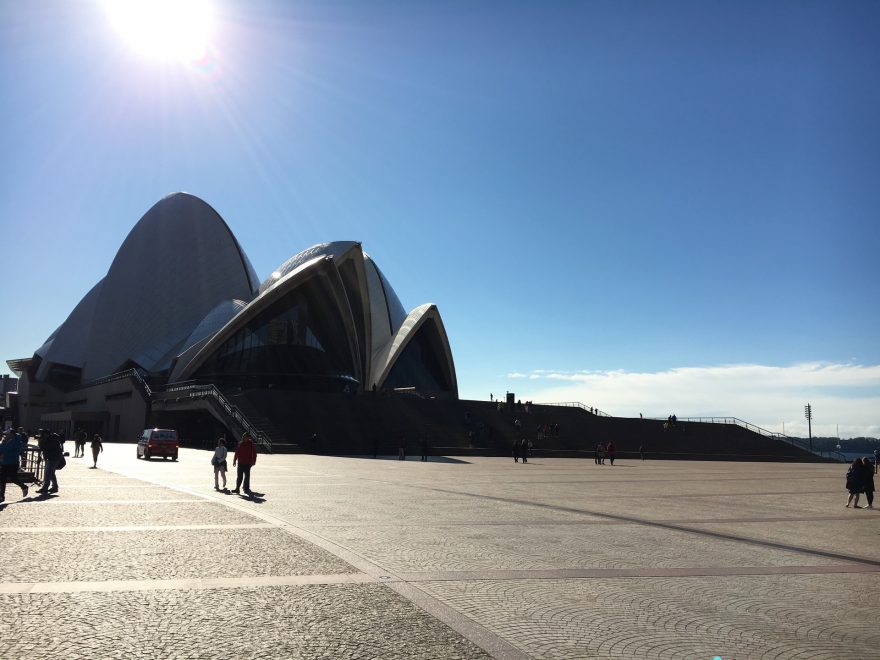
158,442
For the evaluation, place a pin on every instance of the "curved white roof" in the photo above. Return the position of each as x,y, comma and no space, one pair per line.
176,265
67,344
410,327
334,249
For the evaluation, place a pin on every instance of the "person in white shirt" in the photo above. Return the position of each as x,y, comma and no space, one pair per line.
219,463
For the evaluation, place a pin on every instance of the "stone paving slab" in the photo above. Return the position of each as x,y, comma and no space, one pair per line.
701,507
95,556
324,621
562,546
118,491
861,539
63,513
694,617
384,505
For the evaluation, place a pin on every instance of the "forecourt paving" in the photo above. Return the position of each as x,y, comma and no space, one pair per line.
454,558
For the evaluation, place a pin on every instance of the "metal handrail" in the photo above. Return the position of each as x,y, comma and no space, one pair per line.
795,442
119,375
192,390
575,404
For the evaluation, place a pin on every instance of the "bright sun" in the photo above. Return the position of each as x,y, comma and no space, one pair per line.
164,29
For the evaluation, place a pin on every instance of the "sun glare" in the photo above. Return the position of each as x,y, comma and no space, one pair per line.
164,29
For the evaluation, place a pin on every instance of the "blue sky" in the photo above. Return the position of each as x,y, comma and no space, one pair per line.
647,207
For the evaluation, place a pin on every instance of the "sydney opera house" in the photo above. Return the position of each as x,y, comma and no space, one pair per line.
181,319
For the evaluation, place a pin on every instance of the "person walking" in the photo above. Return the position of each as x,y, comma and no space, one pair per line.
524,450
97,448
219,463
611,450
600,454
245,457
854,483
876,459
868,481
53,453
425,448
79,443
642,452
10,458
515,451
401,449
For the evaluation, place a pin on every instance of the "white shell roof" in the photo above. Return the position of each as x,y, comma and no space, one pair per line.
334,249
178,263
67,344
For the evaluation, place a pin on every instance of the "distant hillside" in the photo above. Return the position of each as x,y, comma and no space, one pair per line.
863,445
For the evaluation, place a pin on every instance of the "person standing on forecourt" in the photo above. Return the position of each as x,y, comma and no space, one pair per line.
219,463
868,481
425,448
524,450
52,455
854,483
245,457
10,457
97,448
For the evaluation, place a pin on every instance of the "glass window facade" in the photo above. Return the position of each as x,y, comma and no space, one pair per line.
299,340
421,364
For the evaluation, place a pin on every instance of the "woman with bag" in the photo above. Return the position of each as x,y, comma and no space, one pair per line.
854,483
219,463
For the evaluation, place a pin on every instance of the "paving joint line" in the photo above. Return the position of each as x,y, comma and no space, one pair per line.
181,584
130,528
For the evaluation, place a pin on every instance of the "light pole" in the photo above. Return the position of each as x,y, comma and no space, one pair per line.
808,413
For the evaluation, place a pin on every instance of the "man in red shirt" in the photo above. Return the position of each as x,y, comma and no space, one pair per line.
245,457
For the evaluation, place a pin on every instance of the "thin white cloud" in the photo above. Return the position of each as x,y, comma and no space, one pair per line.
844,395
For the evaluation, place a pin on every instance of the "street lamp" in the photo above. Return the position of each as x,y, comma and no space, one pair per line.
808,413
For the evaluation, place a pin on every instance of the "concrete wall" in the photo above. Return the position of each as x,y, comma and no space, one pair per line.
117,410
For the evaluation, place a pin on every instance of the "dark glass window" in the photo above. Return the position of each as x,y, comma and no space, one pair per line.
422,364
299,338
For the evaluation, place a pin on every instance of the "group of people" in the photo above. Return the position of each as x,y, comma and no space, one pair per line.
80,438
521,450
547,430
608,450
245,457
860,479
13,450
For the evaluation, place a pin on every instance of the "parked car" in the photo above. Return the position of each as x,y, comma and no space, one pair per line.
158,442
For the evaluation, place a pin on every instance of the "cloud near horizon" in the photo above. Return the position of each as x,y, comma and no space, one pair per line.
847,395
